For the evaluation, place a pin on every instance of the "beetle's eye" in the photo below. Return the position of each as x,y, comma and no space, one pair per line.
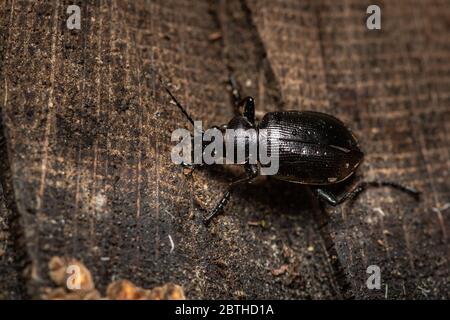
294,132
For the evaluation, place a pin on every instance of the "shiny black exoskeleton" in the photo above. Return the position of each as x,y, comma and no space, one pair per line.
315,149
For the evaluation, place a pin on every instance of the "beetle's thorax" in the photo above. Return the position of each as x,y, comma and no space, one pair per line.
240,141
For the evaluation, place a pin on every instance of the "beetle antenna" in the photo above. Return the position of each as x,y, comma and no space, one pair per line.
178,104
183,110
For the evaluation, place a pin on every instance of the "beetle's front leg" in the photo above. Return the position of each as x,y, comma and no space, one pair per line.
252,172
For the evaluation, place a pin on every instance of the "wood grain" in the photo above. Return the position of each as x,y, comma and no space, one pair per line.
87,137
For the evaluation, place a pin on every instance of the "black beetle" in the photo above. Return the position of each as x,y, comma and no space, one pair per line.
315,149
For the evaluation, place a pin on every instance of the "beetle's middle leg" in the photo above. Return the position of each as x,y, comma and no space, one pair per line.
336,200
252,172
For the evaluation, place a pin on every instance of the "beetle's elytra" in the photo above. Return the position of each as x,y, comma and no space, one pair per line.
314,148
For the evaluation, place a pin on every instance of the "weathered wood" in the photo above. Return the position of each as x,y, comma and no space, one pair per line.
392,87
10,282
87,131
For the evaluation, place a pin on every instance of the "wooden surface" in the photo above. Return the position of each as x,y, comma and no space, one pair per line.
86,170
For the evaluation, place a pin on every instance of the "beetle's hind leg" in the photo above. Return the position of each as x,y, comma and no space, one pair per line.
408,190
334,200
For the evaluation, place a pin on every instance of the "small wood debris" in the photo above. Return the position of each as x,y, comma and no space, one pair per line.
239,294
260,223
126,290
288,253
280,270
62,294
215,36
61,272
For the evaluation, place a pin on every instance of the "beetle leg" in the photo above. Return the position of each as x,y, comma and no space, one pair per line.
333,200
225,198
252,171
219,207
248,102
411,191
249,109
